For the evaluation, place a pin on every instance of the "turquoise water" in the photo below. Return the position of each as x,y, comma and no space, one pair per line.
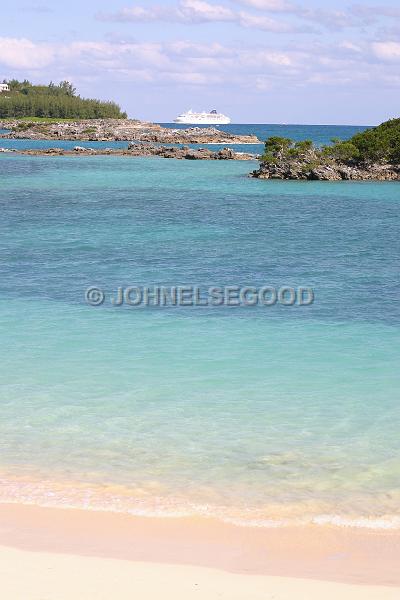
320,134
255,414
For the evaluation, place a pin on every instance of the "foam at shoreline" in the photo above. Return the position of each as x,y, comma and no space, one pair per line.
117,499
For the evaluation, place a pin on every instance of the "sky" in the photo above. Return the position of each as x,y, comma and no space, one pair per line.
258,61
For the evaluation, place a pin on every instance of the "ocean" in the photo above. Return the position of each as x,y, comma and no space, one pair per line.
258,415
320,134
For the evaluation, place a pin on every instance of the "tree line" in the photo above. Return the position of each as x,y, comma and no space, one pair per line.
53,101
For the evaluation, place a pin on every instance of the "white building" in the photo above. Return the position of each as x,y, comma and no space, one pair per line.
4,87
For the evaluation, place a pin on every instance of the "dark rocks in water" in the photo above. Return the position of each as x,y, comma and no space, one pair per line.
140,149
183,152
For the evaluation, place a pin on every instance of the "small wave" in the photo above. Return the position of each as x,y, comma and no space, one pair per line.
108,499
371,522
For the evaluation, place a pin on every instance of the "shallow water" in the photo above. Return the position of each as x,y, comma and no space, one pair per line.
262,414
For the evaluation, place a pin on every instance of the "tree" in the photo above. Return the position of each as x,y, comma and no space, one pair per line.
342,151
67,88
380,143
276,147
55,101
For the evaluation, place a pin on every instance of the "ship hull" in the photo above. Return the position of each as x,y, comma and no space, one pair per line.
196,121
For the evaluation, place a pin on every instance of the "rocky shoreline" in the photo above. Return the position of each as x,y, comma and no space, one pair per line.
370,155
332,171
140,149
107,130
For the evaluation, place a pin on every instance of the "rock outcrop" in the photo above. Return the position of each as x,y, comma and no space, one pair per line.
371,155
330,171
184,152
102,130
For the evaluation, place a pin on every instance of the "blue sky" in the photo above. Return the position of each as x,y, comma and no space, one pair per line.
266,61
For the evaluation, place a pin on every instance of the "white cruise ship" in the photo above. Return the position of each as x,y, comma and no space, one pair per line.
202,118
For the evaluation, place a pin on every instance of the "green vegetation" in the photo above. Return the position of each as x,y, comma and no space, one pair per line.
52,103
278,148
89,130
41,120
342,151
380,144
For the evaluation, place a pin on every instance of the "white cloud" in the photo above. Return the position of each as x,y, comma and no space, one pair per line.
388,51
185,63
264,23
330,19
191,78
200,11
138,14
203,11
269,5
356,15
372,13
280,59
263,84
191,49
186,11
21,53
348,45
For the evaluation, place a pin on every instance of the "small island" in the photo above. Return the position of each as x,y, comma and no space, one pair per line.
371,155
56,112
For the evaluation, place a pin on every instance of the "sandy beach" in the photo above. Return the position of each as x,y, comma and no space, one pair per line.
40,575
87,555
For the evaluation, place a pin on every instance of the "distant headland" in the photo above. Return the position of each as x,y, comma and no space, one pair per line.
56,112
55,101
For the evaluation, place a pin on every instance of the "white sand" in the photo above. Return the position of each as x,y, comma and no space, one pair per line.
26,575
